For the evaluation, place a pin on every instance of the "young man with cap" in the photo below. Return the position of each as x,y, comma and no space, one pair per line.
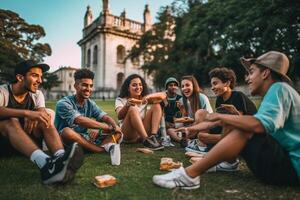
79,119
269,141
24,122
170,109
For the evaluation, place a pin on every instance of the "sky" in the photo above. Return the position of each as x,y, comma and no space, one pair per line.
62,21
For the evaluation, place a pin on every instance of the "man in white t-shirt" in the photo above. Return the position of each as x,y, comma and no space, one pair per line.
24,122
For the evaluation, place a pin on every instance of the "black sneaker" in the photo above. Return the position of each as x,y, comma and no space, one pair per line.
63,168
152,143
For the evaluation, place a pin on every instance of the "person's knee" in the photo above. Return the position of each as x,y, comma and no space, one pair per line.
52,114
11,123
132,110
201,113
69,134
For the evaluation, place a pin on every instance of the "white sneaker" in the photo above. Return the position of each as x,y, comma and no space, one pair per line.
177,178
225,167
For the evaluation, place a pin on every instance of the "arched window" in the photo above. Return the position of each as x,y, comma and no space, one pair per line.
120,79
88,63
120,54
95,55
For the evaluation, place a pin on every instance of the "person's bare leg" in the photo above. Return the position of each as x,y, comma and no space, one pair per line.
226,149
69,135
133,127
200,116
12,129
171,132
51,137
152,119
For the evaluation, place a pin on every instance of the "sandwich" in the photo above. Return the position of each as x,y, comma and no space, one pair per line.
104,181
167,164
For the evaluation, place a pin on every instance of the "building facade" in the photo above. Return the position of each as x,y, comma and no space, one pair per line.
104,46
66,87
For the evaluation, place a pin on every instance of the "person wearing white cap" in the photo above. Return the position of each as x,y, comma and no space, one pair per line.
269,141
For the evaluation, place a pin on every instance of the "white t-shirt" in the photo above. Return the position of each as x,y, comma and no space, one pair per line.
121,102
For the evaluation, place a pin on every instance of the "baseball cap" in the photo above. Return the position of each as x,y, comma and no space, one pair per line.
274,60
26,65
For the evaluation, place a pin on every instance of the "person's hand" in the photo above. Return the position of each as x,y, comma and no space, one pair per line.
118,129
230,108
39,116
29,125
212,117
144,100
93,135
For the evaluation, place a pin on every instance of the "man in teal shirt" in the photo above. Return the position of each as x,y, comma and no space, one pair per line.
269,141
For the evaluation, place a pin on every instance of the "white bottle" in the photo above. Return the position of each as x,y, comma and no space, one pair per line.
115,154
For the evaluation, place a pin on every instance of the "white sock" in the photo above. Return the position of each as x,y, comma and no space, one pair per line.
59,153
39,158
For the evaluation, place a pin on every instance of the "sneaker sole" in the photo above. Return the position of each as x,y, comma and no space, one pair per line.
75,163
59,177
190,187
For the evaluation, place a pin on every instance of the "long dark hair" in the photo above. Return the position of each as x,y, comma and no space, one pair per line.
195,102
124,92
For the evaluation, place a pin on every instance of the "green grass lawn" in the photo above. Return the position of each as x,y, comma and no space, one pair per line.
20,179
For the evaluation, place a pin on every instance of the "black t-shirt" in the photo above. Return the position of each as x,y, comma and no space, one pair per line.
26,104
171,108
240,101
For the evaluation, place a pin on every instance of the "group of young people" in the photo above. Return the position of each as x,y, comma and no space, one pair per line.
268,138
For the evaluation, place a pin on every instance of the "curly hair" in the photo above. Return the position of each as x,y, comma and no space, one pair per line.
124,91
83,73
224,74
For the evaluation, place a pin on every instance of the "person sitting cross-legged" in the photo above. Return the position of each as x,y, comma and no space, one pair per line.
25,122
269,141
79,119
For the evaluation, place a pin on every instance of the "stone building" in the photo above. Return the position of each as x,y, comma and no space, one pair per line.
105,44
66,87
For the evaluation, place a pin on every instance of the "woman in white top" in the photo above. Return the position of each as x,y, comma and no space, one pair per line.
139,122
193,104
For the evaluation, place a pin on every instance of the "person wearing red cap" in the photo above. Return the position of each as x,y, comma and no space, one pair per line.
24,123
269,141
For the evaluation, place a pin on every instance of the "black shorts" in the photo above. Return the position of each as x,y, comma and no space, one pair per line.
268,161
6,149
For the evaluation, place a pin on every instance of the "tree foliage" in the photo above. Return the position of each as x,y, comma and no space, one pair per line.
18,40
212,33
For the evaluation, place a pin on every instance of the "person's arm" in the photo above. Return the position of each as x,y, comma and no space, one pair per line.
32,115
91,123
243,122
110,121
122,108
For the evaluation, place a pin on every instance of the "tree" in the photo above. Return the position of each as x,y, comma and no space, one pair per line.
211,33
50,80
18,40
155,45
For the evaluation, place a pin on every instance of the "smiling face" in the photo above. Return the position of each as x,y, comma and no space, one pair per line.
218,87
187,88
135,88
84,88
32,79
255,80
